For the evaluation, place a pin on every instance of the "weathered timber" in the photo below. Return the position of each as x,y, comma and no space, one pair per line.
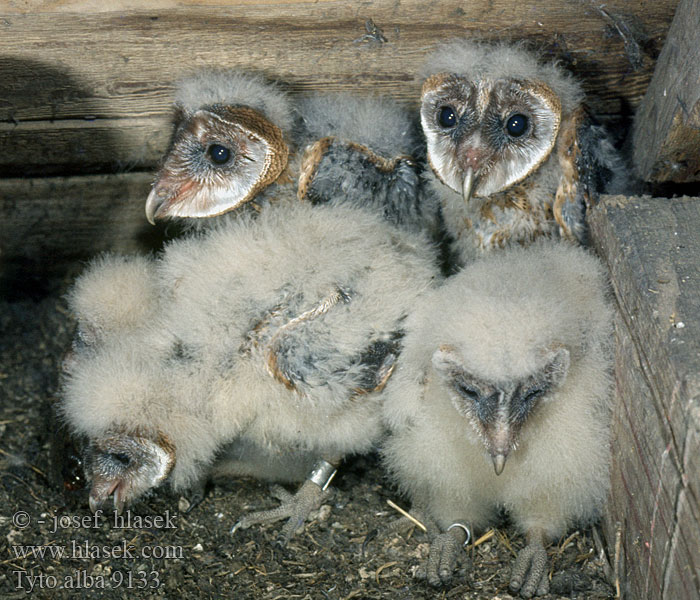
50,224
667,127
653,251
87,85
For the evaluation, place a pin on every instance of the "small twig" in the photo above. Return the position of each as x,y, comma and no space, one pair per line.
618,549
566,542
384,566
506,543
411,518
607,569
484,538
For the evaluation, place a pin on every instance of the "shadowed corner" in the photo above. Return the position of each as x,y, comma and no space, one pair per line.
57,158
43,231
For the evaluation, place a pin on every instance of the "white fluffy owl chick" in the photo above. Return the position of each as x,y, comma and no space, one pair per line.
272,343
241,142
501,400
514,152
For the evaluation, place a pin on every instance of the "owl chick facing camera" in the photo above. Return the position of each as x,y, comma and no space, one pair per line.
514,153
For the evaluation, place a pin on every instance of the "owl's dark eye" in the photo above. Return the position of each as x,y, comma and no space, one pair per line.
516,125
532,394
447,117
219,154
121,458
467,391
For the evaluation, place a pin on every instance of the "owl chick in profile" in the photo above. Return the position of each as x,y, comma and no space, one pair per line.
231,142
264,351
514,153
502,402
240,142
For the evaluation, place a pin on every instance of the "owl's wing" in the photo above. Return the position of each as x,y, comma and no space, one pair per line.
337,170
364,151
308,352
589,165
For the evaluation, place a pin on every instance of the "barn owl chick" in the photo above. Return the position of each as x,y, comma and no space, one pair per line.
239,141
272,340
231,141
501,400
515,154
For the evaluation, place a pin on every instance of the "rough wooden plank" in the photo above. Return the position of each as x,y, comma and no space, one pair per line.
684,554
652,249
78,147
667,127
49,224
120,64
645,478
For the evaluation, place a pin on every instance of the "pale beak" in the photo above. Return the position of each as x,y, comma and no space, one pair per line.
499,461
103,489
468,184
155,200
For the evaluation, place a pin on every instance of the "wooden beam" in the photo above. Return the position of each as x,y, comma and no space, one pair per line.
50,225
667,126
71,66
652,249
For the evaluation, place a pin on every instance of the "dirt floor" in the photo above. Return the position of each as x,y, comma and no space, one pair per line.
347,551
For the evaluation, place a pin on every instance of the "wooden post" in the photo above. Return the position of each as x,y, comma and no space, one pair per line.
653,249
667,125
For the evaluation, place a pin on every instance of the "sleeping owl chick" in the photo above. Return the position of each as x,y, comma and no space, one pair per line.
514,152
238,143
271,343
501,400
115,295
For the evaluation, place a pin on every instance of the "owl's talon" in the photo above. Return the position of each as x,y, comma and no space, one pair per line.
294,507
442,559
529,572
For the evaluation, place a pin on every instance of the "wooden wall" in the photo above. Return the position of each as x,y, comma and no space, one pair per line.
667,126
86,85
652,248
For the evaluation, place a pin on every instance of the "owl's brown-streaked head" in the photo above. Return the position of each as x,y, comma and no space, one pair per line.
125,466
491,115
499,409
229,143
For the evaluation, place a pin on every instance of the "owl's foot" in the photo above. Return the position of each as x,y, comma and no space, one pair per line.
294,507
529,572
445,550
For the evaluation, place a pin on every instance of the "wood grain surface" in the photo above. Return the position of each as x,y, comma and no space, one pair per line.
667,128
652,249
86,86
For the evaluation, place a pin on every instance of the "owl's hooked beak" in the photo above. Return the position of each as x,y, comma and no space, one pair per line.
163,197
499,462
468,183
154,202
